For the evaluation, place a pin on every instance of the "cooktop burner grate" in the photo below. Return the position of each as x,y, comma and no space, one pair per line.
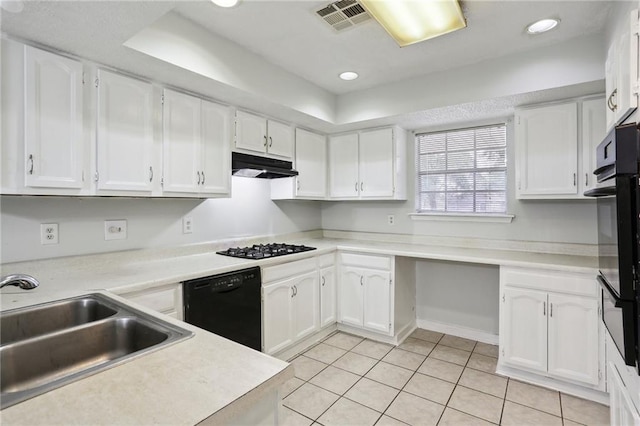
263,251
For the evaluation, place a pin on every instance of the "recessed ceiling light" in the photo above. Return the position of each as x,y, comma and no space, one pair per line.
349,75
226,3
542,26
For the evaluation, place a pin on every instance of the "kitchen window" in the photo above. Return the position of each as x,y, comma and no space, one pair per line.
462,173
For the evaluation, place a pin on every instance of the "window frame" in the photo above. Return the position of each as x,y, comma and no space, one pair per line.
504,217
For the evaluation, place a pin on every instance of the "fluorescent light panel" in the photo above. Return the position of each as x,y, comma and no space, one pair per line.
412,21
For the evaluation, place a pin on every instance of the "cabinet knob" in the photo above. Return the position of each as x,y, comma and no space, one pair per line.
31,164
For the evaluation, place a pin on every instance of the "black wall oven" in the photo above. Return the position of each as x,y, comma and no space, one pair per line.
618,209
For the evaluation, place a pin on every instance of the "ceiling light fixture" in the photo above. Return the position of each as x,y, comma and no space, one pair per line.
349,75
410,21
542,26
226,3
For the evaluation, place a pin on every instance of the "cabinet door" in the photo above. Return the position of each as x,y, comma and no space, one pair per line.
53,120
573,338
523,332
280,139
216,156
625,100
181,142
377,300
611,77
343,166
351,295
327,296
311,164
547,150
125,133
622,409
251,132
376,163
306,305
278,318
593,132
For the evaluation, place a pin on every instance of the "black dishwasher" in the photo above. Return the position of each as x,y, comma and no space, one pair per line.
227,305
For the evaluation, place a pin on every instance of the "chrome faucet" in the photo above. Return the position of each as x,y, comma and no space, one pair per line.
25,282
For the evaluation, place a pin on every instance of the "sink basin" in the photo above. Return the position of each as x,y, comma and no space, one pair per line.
48,346
24,324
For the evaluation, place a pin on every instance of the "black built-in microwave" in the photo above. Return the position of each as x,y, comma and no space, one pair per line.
618,208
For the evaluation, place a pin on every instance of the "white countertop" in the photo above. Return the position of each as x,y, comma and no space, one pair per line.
204,375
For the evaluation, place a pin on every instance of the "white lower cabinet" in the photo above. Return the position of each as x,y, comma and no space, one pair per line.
622,411
366,292
166,299
328,311
291,303
549,324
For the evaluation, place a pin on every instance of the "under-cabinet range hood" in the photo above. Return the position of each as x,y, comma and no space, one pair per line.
245,165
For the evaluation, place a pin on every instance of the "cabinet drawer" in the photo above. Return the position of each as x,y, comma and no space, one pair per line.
289,269
326,260
164,299
366,261
556,281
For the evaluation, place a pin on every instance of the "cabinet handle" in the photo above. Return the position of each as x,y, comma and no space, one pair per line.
150,174
586,179
322,281
298,184
574,179
293,293
361,186
356,187
551,310
198,173
202,177
361,278
613,104
296,287
270,141
265,140
31,167
544,309
609,105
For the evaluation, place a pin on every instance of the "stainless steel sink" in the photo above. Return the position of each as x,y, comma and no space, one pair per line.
47,346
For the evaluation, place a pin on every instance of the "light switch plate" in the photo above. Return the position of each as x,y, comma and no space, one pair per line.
115,229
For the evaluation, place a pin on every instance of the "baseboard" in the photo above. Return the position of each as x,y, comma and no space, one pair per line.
392,340
459,331
548,382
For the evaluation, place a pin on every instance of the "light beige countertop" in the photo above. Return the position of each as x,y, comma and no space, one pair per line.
207,374
203,377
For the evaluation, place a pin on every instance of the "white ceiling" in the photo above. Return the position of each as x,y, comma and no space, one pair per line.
288,34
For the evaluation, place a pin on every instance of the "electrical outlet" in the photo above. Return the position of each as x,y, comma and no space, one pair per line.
48,233
187,225
115,229
391,219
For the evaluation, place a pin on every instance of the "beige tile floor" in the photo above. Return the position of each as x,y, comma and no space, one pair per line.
430,379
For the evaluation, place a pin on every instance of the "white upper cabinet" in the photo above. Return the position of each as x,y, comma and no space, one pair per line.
376,163
343,166
125,148
546,151
195,146
593,132
257,135
621,72
368,165
181,142
311,164
216,148
552,162
53,147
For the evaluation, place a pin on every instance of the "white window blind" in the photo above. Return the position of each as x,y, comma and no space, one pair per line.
462,171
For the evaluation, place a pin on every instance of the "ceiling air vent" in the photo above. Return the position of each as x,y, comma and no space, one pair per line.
343,14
